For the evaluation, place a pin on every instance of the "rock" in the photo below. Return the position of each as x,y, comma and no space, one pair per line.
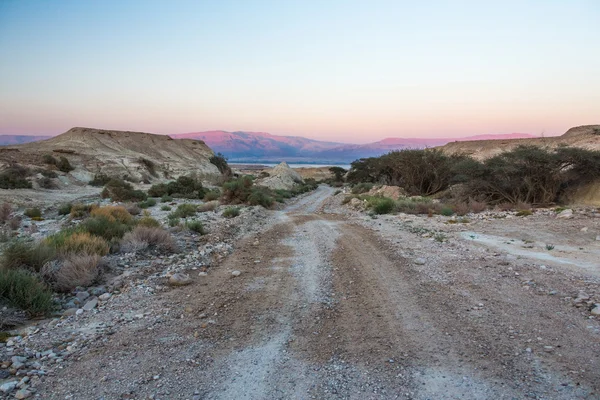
179,279
8,386
282,177
82,296
98,291
565,214
79,311
236,273
23,394
596,309
392,192
15,359
420,261
548,349
598,238
4,374
356,203
202,273
584,229
104,296
91,304
69,311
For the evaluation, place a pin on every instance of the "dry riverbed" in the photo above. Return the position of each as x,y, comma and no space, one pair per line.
322,301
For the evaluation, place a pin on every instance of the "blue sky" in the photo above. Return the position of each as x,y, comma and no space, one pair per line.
352,71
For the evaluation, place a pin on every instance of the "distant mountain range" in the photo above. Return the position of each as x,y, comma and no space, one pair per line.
263,147
240,147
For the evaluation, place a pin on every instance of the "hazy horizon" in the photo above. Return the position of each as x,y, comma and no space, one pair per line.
345,71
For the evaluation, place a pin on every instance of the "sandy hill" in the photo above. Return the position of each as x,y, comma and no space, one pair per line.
586,136
134,154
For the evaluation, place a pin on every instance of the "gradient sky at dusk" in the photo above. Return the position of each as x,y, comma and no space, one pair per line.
343,70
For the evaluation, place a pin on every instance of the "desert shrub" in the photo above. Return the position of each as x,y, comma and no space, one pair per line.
220,162
105,227
165,208
148,222
524,213
49,159
187,187
32,212
14,223
231,212
150,202
21,289
263,174
28,255
195,226
381,205
79,210
477,206
6,211
210,206
64,165
415,205
48,173
173,220
362,187
461,208
84,243
347,199
165,198
212,195
119,190
282,194
261,196
185,211
446,211
14,177
338,173
143,237
149,165
113,213
75,270
99,180
238,190
47,183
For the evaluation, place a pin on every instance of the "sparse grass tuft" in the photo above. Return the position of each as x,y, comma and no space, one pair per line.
21,289
165,208
231,212
75,270
150,202
524,213
185,211
33,212
28,255
195,226
143,237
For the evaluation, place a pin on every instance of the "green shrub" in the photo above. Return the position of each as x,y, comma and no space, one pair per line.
23,290
99,180
416,205
165,198
231,212
381,205
33,212
212,195
150,166
29,255
48,173
150,202
220,162
49,159
524,213
64,209
238,190
447,211
173,220
187,187
148,222
64,165
81,210
14,177
165,208
195,226
261,196
105,227
119,190
185,211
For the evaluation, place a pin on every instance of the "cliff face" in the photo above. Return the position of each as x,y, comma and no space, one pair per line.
117,153
587,137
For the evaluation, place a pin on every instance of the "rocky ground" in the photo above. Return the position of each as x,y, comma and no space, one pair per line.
319,300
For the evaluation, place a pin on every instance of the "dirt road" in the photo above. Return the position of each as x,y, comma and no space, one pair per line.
328,308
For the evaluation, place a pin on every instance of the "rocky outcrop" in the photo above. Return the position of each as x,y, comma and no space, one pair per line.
392,192
139,156
281,177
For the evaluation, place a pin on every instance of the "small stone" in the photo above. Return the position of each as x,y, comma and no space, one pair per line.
81,296
179,280
8,386
79,311
4,374
528,350
548,349
69,311
598,238
90,305
596,309
23,394
584,229
565,214
104,296
236,273
20,359
203,273
420,261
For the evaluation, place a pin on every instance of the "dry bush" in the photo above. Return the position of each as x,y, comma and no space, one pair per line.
461,208
133,209
113,213
83,242
81,210
14,223
148,222
76,270
143,237
210,206
477,206
5,212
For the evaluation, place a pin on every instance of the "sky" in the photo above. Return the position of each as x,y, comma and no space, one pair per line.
339,70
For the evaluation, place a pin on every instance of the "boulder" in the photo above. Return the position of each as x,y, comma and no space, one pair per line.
565,214
393,192
281,177
179,280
